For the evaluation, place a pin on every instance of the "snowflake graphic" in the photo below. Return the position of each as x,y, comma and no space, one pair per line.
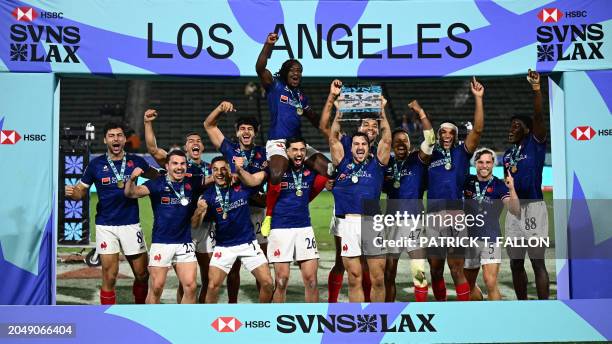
71,181
73,164
73,231
73,209
19,52
367,323
545,53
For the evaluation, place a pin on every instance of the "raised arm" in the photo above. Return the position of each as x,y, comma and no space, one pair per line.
334,91
539,127
210,124
384,145
248,179
198,214
512,203
157,153
473,138
262,60
131,189
335,146
429,137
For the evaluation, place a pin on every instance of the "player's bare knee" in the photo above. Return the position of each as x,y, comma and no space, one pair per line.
456,269
490,280
310,281
281,282
267,285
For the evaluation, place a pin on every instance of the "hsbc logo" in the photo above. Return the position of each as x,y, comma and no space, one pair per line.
583,133
550,15
26,14
11,137
226,324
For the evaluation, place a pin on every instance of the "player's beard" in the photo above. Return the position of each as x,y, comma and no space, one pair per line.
222,181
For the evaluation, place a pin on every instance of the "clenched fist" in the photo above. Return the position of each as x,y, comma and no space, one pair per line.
150,115
272,38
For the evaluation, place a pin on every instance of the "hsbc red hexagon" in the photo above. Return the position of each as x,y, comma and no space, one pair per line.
226,324
550,15
9,137
26,14
583,133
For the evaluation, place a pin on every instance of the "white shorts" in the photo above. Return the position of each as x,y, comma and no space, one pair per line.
286,245
114,239
437,229
257,216
250,254
277,147
532,223
204,237
482,254
166,255
356,241
408,236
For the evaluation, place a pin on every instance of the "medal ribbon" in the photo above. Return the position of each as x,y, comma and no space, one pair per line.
247,160
223,201
356,171
480,194
446,153
112,165
297,179
201,166
514,155
296,101
180,195
397,170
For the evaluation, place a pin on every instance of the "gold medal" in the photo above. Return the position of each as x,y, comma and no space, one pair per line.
225,216
448,166
514,169
299,111
299,193
120,184
396,184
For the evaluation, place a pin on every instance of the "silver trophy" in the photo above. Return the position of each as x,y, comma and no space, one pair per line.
357,102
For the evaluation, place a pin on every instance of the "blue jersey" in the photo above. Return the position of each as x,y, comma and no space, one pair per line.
529,158
411,173
201,169
350,197
237,228
113,209
171,220
447,184
491,205
291,210
283,103
256,156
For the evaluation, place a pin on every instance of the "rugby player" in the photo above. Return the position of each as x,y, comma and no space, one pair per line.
368,126
235,236
117,219
292,237
486,195
203,236
287,104
254,158
525,162
404,186
360,180
449,167
173,199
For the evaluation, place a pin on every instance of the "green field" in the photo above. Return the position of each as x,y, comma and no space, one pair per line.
320,215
